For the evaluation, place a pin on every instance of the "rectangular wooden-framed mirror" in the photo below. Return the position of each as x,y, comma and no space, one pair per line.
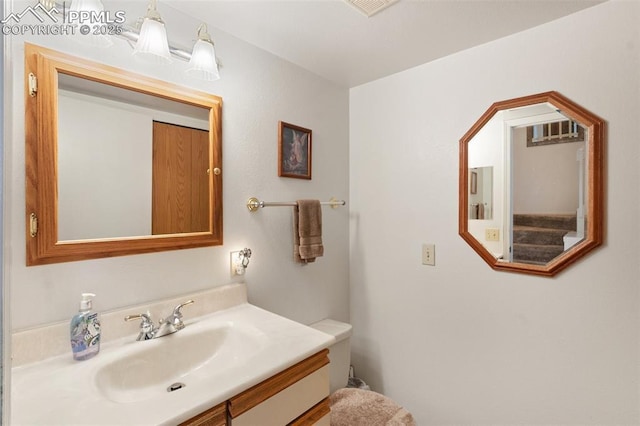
116,163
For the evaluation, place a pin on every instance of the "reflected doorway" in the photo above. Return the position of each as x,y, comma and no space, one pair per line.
180,187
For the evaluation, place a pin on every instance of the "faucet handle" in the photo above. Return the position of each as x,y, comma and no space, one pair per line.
146,318
147,330
176,317
176,310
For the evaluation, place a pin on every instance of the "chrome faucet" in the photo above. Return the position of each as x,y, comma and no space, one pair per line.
168,325
173,322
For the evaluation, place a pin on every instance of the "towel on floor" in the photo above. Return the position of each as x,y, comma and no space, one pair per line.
307,231
359,407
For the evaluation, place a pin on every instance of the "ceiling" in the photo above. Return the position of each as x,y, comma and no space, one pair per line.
336,41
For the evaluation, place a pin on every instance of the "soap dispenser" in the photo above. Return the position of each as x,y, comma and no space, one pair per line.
85,330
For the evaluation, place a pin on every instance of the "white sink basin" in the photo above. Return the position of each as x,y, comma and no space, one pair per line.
152,366
216,357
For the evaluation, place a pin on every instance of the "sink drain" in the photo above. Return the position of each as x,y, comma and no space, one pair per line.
175,387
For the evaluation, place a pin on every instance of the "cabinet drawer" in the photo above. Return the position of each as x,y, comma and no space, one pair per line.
285,397
289,403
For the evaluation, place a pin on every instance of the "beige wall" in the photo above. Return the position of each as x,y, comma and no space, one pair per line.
459,343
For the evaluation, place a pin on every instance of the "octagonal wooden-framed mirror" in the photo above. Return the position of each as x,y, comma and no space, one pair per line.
531,188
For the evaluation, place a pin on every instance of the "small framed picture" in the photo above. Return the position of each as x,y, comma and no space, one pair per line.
294,151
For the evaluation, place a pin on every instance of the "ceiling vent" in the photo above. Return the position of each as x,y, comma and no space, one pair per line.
370,7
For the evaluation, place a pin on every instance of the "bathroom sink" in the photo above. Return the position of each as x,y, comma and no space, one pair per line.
170,363
214,358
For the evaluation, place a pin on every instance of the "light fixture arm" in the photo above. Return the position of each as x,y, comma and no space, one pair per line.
152,11
131,35
203,34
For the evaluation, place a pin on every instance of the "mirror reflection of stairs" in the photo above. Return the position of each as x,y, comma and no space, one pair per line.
537,238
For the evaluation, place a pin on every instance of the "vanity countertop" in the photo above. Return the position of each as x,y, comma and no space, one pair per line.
122,385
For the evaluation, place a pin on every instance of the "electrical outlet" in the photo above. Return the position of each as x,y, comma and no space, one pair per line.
492,234
236,264
429,254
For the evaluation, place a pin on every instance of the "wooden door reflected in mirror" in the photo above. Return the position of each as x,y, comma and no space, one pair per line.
180,179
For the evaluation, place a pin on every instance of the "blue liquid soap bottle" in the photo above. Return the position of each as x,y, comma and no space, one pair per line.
85,330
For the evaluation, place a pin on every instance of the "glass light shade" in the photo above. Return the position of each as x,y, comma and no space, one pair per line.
203,62
152,41
92,38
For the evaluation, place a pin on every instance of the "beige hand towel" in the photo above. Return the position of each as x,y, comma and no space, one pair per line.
307,231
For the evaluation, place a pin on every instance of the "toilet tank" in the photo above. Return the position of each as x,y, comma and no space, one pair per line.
339,352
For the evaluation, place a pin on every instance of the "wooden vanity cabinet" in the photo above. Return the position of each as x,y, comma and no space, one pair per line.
296,396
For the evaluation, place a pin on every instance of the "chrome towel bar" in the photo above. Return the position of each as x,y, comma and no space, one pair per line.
254,204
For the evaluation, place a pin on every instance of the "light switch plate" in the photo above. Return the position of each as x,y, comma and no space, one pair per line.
429,254
492,234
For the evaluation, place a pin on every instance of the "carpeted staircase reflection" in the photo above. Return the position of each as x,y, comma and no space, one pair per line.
537,238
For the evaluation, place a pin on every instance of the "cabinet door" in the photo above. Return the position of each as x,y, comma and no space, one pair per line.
319,415
284,397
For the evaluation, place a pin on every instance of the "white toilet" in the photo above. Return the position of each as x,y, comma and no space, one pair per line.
348,406
339,352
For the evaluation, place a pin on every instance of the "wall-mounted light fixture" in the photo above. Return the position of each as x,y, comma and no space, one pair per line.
203,63
90,7
148,37
152,41
240,261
